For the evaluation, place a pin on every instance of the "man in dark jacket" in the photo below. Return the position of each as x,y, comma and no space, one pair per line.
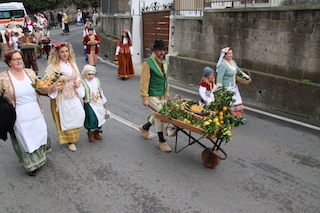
59,17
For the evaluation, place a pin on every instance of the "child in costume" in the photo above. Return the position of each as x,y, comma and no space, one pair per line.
94,103
207,86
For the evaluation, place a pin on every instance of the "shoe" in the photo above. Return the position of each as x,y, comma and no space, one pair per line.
145,133
163,146
97,136
72,147
91,137
32,173
243,120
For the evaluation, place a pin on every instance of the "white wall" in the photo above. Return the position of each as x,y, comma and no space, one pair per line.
137,39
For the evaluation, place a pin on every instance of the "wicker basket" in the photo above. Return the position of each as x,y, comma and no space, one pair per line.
115,60
242,80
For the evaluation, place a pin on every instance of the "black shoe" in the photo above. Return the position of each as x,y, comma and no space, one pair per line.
32,173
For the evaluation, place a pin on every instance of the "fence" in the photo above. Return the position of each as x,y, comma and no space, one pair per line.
195,7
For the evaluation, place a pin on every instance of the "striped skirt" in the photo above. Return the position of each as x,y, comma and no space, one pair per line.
30,161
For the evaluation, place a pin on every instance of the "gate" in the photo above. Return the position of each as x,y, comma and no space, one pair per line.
155,26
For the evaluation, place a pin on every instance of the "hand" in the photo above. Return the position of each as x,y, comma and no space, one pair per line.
56,87
167,97
76,83
145,103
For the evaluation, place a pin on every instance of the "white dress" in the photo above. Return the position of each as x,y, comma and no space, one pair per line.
30,127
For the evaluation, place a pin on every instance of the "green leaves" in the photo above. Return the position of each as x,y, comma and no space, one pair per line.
33,6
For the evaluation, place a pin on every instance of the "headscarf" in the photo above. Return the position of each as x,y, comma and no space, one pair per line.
223,52
88,69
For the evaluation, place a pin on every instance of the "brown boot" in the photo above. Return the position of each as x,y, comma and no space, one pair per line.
91,136
97,136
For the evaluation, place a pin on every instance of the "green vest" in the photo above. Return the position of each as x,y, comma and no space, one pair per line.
158,82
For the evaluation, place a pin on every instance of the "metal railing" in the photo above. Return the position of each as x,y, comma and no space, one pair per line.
196,7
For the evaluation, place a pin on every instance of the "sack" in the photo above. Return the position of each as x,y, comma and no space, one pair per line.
242,80
7,118
115,59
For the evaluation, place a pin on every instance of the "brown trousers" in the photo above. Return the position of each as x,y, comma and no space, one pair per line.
30,59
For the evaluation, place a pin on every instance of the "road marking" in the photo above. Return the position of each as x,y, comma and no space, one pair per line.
107,62
128,123
247,108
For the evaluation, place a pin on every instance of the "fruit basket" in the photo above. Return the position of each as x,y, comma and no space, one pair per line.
213,122
44,85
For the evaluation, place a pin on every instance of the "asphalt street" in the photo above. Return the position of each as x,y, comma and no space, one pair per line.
273,164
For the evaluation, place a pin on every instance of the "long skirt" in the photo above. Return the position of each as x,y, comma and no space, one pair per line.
30,161
67,136
125,69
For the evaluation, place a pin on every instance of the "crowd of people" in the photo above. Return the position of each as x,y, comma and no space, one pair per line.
77,99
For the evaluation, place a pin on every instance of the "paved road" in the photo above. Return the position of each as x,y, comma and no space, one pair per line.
272,165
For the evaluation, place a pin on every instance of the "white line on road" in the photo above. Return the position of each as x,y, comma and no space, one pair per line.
128,123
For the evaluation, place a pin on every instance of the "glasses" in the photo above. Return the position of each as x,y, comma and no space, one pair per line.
60,44
16,59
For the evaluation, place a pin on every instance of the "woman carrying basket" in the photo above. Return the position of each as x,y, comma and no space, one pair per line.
227,69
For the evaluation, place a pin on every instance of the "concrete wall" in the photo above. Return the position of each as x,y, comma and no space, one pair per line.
283,41
266,90
113,25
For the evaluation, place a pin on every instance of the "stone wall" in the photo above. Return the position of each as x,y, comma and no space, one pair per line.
266,90
113,25
282,41
110,30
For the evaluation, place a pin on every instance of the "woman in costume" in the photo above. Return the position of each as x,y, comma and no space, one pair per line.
29,136
66,106
124,53
227,69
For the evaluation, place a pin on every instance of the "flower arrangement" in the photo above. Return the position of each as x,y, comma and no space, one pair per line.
214,119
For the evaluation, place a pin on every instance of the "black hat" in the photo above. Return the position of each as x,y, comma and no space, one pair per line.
159,45
26,30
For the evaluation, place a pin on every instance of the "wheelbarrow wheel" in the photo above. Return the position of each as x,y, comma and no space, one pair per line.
210,158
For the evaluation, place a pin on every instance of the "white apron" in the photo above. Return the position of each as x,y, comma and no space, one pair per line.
71,113
237,95
100,112
30,127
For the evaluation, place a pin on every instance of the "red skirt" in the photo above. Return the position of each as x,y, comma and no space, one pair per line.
125,69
